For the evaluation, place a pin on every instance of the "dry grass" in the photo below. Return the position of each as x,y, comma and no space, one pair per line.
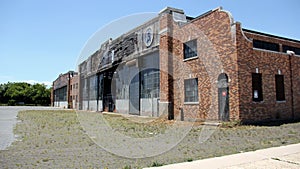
56,139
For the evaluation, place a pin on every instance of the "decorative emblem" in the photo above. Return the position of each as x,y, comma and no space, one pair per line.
148,36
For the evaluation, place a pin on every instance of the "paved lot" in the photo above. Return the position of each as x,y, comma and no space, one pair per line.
8,118
275,158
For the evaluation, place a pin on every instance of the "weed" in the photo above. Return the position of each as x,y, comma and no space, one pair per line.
189,160
156,164
127,167
231,124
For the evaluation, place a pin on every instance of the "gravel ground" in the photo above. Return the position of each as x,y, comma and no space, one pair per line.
64,139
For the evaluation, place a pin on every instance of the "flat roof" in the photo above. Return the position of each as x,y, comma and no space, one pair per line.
270,35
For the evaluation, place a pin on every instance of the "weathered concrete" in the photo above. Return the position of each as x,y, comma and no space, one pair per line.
275,157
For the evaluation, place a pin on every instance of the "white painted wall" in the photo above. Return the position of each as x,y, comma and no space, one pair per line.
85,105
62,104
148,107
93,105
122,106
100,106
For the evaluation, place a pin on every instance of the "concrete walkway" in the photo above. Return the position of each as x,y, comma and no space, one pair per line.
275,157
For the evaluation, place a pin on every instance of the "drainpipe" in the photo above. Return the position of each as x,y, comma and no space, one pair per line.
291,54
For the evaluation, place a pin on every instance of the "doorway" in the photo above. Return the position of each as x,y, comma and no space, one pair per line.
223,97
108,93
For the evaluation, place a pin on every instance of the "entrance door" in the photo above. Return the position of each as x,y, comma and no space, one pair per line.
223,97
108,97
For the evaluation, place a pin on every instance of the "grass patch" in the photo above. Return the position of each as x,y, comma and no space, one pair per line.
156,164
133,128
231,124
57,138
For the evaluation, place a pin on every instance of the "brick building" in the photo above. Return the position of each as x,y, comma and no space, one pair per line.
65,91
207,67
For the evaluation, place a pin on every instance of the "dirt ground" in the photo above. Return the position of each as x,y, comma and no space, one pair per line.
66,139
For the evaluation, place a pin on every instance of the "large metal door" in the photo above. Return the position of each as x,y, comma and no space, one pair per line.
134,95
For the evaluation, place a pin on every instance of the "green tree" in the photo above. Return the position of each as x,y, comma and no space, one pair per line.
12,93
3,88
40,94
17,92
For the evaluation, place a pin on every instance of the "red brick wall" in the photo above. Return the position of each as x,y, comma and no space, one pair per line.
296,85
222,46
74,91
268,63
216,52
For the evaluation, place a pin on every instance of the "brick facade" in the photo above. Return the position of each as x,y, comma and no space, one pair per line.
223,66
268,63
64,90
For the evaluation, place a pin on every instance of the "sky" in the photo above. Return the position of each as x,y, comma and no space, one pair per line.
41,39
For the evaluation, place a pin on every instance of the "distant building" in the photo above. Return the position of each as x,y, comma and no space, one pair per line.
207,67
65,91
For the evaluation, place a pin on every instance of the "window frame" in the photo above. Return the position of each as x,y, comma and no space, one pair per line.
192,99
191,46
259,44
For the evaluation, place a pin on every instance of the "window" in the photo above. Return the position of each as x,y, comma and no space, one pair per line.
266,45
61,94
93,88
257,93
190,49
150,83
286,48
191,90
279,81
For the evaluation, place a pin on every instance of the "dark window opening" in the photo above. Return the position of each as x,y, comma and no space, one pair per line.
266,45
257,93
191,90
279,80
61,94
294,49
190,49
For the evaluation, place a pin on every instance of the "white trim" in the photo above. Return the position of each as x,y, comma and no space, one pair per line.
292,55
265,50
163,102
191,103
165,30
228,13
241,29
191,58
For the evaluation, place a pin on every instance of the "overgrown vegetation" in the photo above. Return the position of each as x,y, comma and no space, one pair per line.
58,139
21,93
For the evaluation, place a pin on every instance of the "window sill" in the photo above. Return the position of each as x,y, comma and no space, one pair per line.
191,103
192,58
257,102
280,101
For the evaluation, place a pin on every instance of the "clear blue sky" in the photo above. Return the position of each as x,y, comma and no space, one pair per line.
41,39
